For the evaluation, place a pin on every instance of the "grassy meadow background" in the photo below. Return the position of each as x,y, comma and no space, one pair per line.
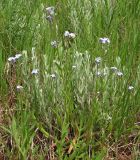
75,106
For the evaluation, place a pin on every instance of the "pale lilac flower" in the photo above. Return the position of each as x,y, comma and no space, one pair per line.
34,71
50,10
120,74
72,35
54,44
104,40
113,68
74,66
17,56
98,60
12,59
130,88
98,73
53,75
19,87
66,34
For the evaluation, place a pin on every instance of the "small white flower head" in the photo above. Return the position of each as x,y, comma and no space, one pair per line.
113,68
12,59
54,44
69,35
66,34
17,56
34,71
98,60
53,75
119,74
50,10
74,66
19,87
98,74
130,88
104,40
72,35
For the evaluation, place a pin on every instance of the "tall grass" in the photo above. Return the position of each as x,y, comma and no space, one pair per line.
74,107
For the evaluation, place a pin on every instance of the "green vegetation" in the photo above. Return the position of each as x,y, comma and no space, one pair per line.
70,95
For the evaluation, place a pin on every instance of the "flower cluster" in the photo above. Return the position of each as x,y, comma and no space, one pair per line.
35,71
98,60
69,35
50,11
13,59
54,44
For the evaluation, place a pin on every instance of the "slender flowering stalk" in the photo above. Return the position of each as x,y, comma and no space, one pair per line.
50,13
69,35
104,73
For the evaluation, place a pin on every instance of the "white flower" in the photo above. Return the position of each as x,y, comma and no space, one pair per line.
98,73
74,66
104,40
69,35
66,34
130,88
54,44
34,71
19,87
11,59
98,60
17,56
113,68
72,35
50,10
53,75
120,74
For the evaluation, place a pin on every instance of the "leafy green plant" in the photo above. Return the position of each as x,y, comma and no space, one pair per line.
73,93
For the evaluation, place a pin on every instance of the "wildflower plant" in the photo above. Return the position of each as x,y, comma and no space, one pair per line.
67,93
